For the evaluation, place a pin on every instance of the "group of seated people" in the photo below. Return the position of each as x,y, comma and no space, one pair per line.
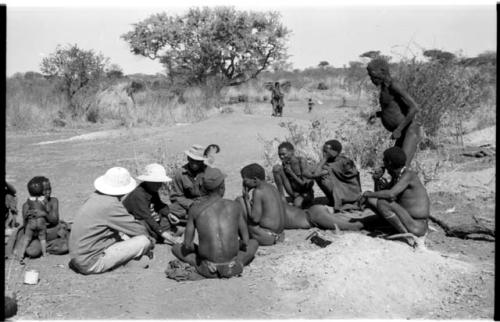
122,221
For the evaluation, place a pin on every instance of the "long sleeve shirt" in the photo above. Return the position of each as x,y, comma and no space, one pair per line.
141,203
186,187
96,227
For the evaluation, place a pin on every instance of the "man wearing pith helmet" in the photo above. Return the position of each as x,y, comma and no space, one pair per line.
145,204
104,235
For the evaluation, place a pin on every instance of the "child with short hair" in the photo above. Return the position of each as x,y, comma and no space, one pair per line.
35,211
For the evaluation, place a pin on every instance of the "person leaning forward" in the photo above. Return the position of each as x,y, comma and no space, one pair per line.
145,204
104,235
219,222
187,184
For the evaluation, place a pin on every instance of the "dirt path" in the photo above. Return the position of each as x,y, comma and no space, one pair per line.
356,277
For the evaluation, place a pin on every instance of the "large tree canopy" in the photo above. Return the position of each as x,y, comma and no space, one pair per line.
76,68
232,45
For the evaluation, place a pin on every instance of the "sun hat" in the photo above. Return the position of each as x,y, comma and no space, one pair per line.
154,172
115,182
212,178
195,152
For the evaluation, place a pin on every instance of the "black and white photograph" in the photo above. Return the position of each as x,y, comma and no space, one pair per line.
250,160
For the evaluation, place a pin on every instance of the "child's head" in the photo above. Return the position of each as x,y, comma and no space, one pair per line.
252,174
285,151
47,188
394,158
35,186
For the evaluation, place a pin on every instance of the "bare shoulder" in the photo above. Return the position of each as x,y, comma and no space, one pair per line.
396,87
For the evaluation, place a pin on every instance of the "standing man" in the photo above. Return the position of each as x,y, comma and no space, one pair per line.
145,204
398,109
219,222
277,100
104,235
187,184
289,177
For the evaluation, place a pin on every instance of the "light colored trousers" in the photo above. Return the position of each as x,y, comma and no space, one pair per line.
121,253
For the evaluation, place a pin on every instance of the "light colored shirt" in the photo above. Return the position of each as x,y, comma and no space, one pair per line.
96,227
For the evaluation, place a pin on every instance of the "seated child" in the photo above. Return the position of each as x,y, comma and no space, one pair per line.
34,216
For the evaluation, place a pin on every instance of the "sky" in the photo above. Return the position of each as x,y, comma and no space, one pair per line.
337,33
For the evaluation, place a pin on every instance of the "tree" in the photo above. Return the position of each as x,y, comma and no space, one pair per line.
439,56
77,69
114,71
323,64
219,43
371,54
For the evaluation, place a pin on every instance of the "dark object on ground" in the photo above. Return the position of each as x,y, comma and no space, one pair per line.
317,240
181,271
467,230
10,306
480,152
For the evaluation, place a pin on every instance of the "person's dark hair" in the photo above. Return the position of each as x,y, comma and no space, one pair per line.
396,157
35,186
205,153
378,65
287,145
335,145
252,171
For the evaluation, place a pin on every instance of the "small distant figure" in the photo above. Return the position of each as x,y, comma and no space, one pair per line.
35,212
277,96
398,109
263,206
210,153
403,202
310,105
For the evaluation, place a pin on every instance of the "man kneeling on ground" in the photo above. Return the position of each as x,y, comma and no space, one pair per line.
403,202
218,222
264,210
104,235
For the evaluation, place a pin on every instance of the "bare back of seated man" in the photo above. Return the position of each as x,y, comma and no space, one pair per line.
265,213
219,222
403,202
398,109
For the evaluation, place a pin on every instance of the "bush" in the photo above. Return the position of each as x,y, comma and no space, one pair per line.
441,89
322,86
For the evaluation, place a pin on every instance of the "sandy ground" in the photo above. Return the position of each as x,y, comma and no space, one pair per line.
355,277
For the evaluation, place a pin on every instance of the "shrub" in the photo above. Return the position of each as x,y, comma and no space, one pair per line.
322,86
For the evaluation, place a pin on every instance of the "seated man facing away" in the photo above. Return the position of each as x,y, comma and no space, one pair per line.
104,235
186,186
265,213
145,204
218,222
337,177
403,202
290,176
